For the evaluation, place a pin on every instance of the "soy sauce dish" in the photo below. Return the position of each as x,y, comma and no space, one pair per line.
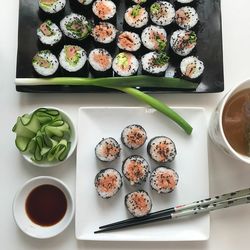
43,207
46,137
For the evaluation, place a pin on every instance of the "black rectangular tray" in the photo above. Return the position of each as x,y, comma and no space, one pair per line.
208,49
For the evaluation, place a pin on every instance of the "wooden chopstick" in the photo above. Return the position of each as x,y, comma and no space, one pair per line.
207,205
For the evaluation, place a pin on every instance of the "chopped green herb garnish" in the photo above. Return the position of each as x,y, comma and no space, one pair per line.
161,59
161,43
155,8
136,10
192,37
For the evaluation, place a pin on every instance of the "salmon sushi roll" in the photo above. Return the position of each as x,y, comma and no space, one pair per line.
108,149
161,149
163,179
52,6
138,203
129,41
108,182
136,169
104,10
133,136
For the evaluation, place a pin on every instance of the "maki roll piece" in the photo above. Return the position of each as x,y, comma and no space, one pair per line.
49,33
101,62
129,41
136,169
75,26
72,58
154,38
186,17
138,203
125,64
181,3
52,6
104,10
45,63
183,42
161,149
108,182
135,17
191,67
107,149
85,2
154,63
133,136
162,13
141,2
163,179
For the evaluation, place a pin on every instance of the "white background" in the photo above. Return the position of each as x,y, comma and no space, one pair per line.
230,228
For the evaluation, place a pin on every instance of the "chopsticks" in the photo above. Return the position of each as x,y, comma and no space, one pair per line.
197,207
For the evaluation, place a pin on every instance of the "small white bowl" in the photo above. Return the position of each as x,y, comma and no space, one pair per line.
73,140
25,223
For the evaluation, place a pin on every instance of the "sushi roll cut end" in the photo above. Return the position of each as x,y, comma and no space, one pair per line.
104,32
52,6
192,67
107,149
104,9
129,41
133,136
138,203
108,182
100,60
161,149
85,2
164,179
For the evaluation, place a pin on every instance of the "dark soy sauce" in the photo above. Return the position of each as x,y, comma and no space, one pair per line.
46,205
236,122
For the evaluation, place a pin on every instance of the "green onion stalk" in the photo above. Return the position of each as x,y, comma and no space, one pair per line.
130,86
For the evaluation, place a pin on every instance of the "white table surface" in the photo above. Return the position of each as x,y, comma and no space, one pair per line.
230,228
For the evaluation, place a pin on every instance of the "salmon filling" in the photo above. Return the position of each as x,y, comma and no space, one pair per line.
103,10
102,59
165,180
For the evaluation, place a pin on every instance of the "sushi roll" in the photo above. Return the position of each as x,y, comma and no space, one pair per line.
163,179
191,67
161,149
135,17
52,6
154,63
108,149
125,64
162,13
186,17
133,136
104,10
138,203
75,26
72,58
49,33
181,3
136,169
101,62
45,63
85,2
183,42
154,38
108,182
129,41
141,2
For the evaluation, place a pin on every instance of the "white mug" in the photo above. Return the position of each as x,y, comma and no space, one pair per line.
216,131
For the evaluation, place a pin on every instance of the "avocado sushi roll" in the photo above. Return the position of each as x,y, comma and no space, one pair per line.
163,179
162,13
154,63
133,136
49,33
75,26
186,17
129,41
183,42
104,10
72,58
108,182
136,169
101,62
161,149
138,203
154,38
125,64
45,63
52,6
108,149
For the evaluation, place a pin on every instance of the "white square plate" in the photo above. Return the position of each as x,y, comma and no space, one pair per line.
191,164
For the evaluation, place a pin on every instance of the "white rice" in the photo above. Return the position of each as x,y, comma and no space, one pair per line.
138,21
151,34
50,58
109,4
53,8
185,1
85,2
165,15
54,38
68,65
107,28
96,65
135,38
195,63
